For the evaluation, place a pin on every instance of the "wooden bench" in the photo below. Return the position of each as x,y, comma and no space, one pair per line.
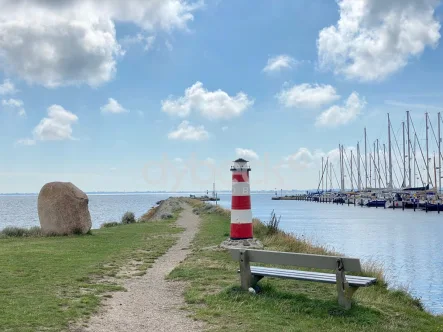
346,284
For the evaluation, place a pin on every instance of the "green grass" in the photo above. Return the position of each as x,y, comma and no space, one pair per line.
48,282
213,294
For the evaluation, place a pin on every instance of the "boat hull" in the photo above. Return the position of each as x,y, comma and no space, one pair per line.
377,203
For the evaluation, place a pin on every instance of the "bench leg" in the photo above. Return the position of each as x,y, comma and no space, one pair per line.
345,296
246,279
344,291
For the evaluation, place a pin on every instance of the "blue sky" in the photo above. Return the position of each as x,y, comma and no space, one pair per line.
166,95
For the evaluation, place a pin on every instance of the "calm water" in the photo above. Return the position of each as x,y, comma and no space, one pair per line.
22,210
407,243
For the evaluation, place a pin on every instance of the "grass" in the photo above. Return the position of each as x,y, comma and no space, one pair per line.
213,294
49,282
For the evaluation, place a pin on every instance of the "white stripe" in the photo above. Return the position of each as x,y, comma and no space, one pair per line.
240,189
241,216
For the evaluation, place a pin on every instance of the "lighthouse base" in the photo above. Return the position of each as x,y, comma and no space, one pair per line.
247,244
241,231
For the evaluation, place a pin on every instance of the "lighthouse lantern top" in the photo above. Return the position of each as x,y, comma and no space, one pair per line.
240,165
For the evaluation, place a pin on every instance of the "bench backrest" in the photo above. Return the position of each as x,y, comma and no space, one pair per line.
301,260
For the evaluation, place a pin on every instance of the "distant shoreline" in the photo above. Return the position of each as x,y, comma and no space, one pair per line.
156,192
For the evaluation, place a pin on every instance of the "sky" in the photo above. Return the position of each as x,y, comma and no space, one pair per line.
147,95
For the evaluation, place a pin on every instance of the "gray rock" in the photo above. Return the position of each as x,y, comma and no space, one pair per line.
248,244
63,209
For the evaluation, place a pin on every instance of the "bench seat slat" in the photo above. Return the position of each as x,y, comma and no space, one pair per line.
330,278
369,279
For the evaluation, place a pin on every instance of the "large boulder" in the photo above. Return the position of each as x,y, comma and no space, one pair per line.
63,209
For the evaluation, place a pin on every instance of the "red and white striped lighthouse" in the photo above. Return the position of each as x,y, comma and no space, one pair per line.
241,214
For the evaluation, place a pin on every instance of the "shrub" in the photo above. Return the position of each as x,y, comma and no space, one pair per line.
21,232
167,216
34,231
128,218
109,224
14,232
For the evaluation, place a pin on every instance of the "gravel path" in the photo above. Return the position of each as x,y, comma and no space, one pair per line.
151,303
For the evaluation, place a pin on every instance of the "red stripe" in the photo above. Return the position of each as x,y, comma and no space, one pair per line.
241,203
240,177
241,231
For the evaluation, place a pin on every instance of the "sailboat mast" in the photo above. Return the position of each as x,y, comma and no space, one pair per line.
366,163
352,173
435,175
427,149
390,154
439,153
330,176
415,147
404,157
375,168
378,167
326,182
409,150
386,166
322,169
343,169
358,168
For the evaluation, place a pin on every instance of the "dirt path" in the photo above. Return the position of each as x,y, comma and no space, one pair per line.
151,303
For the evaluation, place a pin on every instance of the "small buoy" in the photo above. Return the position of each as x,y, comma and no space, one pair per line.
251,290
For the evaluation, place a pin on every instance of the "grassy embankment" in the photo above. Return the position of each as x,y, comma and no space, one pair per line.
213,293
48,282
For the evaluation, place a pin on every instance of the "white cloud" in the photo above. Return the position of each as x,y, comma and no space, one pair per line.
307,96
375,38
139,38
7,87
211,104
178,160
16,105
56,43
26,142
304,157
246,153
225,128
57,126
186,132
113,107
341,115
279,63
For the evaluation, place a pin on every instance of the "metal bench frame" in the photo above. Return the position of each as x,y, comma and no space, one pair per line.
250,276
